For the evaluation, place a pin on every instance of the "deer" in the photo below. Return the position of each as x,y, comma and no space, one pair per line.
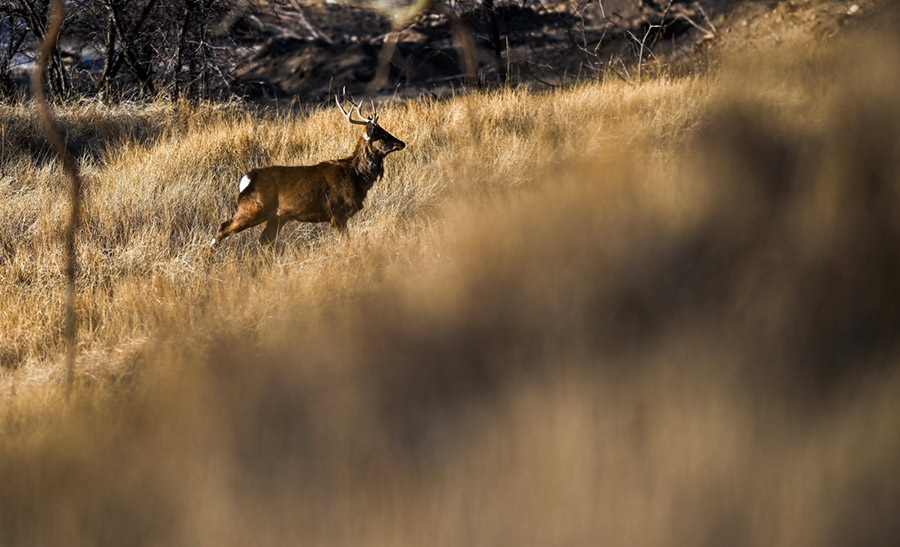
330,191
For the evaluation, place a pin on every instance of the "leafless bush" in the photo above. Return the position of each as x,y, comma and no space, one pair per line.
155,46
121,48
23,23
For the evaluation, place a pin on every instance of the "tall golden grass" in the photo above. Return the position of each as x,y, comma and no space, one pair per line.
610,314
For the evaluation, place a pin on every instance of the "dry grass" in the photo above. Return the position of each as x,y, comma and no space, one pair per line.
614,314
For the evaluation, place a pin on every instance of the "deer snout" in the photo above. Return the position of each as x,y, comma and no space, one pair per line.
399,145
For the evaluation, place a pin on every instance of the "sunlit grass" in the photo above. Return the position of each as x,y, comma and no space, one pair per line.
609,314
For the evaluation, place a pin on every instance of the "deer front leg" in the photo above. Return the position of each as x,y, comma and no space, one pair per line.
339,223
270,232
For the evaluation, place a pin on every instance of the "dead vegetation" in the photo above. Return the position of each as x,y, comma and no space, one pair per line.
305,50
610,314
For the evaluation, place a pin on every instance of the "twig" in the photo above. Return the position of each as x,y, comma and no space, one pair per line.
542,81
661,27
705,16
695,25
625,68
641,44
71,169
507,60
316,33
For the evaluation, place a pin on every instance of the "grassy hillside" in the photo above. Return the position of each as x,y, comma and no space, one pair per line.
612,314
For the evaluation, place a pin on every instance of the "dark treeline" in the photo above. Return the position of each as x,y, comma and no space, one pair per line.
208,49
119,48
140,49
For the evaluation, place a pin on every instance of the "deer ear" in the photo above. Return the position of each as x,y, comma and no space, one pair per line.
366,135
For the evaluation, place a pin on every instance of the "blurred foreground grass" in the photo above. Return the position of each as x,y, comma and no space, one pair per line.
613,314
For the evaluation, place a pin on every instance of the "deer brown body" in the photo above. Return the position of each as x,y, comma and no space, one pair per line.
331,191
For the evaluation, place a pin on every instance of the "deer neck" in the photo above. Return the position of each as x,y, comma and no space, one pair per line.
368,164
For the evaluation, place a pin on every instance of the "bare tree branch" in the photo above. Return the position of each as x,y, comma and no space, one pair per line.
70,167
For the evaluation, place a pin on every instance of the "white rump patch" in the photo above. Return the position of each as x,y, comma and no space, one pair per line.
245,182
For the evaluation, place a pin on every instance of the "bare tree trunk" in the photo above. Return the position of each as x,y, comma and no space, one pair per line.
15,39
111,65
138,62
494,37
48,45
203,47
190,7
35,15
64,84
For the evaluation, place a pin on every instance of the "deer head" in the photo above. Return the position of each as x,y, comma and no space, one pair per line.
376,138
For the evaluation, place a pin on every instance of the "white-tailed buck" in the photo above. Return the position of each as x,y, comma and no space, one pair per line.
331,191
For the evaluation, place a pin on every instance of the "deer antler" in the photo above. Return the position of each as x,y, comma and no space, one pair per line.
349,115
374,118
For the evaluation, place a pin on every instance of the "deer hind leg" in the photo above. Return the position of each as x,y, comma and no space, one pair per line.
241,220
